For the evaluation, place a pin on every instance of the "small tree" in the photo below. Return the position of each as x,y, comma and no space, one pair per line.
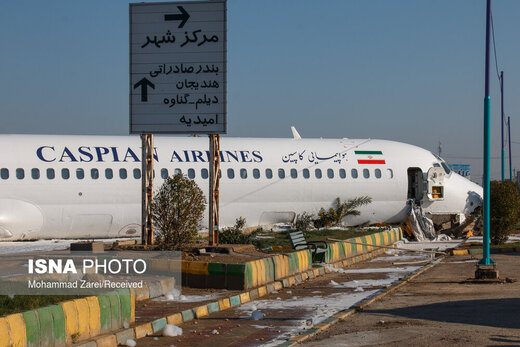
304,222
504,210
334,216
236,235
348,208
177,210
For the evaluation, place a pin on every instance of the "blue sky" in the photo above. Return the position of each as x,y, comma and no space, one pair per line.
404,70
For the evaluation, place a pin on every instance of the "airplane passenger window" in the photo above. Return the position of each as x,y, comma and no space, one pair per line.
342,173
306,173
65,174
390,173
109,174
204,173
219,173
35,174
269,173
281,173
50,174
177,171
330,173
164,174
354,174
122,174
137,174
80,174
94,174
243,173
20,174
230,173
191,173
377,173
256,173
317,173
4,173
294,173
366,173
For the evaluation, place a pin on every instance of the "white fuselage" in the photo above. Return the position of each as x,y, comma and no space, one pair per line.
75,186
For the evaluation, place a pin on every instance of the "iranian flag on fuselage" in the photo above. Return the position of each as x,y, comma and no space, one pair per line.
370,157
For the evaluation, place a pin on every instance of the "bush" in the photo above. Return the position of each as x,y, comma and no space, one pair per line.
235,235
177,210
334,216
504,210
304,222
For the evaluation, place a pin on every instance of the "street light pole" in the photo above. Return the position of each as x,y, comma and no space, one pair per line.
502,124
486,260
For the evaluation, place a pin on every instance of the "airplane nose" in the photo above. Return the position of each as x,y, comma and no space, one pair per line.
472,192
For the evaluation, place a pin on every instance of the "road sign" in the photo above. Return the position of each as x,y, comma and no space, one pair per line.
178,67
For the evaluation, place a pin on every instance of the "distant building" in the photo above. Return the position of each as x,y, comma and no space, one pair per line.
462,169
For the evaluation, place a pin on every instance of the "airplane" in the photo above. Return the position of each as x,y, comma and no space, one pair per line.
90,186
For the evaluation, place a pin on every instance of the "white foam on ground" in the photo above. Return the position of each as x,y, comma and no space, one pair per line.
398,258
10,247
171,330
259,326
188,298
463,261
318,308
382,270
428,245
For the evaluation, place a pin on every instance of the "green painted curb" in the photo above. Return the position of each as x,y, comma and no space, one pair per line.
58,326
158,324
46,326
188,315
32,328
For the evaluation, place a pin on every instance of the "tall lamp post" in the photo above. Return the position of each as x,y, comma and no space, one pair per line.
486,268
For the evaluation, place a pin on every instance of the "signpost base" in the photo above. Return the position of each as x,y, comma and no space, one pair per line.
486,272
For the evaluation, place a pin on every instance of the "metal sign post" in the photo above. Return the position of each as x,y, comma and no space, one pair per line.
214,181
147,189
178,84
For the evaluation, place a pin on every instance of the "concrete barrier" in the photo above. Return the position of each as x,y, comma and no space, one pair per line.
259,272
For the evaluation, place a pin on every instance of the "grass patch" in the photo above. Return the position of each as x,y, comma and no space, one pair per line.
21,303
281,238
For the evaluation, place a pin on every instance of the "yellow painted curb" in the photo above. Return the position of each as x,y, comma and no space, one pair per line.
94,318
201,311
224,304
143,330
300,338
71,320
84,318
174,319
244,297
262,291
5,338
17,329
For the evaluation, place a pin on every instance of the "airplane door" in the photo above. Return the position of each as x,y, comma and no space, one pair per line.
415,184
436,183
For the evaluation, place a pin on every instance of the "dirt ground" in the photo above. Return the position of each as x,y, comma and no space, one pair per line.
439,308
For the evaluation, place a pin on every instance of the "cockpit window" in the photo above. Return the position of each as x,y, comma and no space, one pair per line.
446,168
